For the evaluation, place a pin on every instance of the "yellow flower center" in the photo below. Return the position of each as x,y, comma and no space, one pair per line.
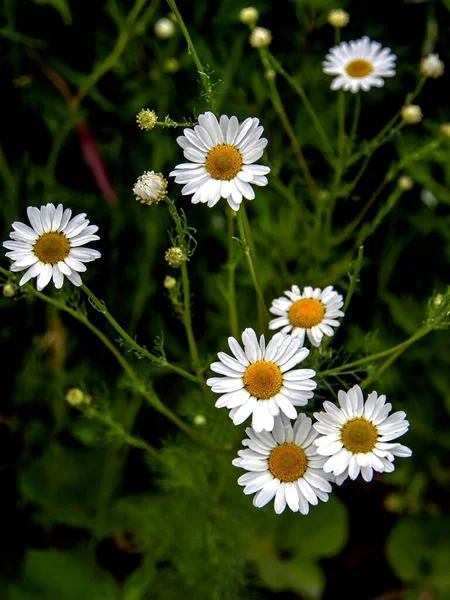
224,162
288,462
306,313
263,379
359,436
52,247
359,68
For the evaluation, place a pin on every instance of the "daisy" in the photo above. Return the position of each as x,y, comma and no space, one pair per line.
284,464
356,437
259,380
221,155
313,311
50,247
360,64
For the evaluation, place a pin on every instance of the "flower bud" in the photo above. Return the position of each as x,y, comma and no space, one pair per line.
260,37
411,114
9,290
338,18
405,183
249,15
199,420
444,130
150,188
164,28
146,119
175,256
75,397
171,65
432,66
428,198
169,282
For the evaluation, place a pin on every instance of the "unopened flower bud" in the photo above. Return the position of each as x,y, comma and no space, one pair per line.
411,114
405,183
146,119
260,37
270,74
169,282
444,129
9,290
171,65
175,256
428,198
338,18
164,28
150,187
249,15
432,66
199,420
75,397
438,300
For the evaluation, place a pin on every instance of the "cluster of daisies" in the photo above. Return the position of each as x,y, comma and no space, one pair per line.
295,463
288,457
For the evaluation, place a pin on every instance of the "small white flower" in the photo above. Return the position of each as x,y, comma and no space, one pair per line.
356,436
284,464
221,154
260,37
359,65
259,380
313,311
164,28
150,187
51,246
432,66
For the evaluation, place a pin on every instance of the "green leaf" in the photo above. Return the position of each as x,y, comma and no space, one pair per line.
55,575
62,6
419,552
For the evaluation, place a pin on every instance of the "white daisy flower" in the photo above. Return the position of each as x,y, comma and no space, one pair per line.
222,154
284,464
356,437
359,65
313,311
259,380
50,247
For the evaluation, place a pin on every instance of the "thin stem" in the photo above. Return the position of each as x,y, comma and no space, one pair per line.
354,278
101,307
341,123
187,319
297,87
231,267
279,108
205,79
356,115
381,369
245,235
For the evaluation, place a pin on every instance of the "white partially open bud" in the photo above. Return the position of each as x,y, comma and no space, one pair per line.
164,28
260,37
150,187
432,66
412,114
338,18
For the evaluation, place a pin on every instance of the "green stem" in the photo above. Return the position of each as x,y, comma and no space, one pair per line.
354,278
101,307
279,108
425,330
356,115
381,369
231,267
187,319
205,79
245,235
297,87
341,123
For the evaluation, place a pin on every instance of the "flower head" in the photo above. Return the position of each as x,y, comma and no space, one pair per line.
313,311
260,37
146,119
164,28
221,154
359,65
51,246
432,66
356,437
150,187
338,18
284,464
175,256
260,381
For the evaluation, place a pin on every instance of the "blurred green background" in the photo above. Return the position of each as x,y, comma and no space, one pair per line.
86,517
